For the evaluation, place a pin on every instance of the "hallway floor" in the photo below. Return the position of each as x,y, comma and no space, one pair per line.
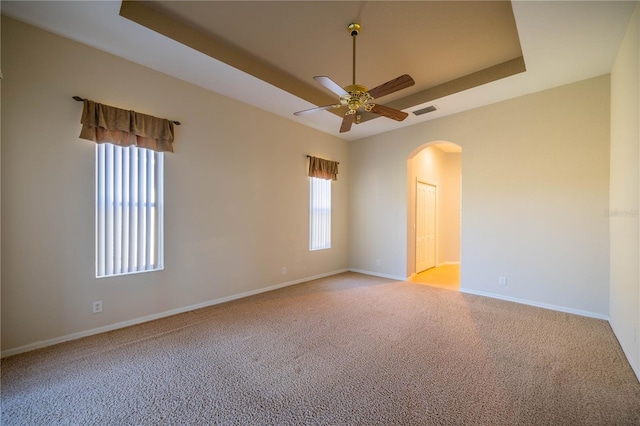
445,276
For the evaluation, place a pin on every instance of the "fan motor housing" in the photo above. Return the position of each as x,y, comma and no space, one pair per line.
357,97
354,88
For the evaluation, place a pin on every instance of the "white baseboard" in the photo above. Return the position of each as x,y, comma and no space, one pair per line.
135,321
449,263
91,332
378,274
537,304
626,351
413,274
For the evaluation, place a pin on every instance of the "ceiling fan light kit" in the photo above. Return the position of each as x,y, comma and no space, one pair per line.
356,97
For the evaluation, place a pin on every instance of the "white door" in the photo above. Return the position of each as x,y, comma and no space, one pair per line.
425,227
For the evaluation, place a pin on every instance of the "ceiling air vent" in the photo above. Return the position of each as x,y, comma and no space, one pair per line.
425,110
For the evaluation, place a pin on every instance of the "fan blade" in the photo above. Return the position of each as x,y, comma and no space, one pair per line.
347,121
331,85
392,113
316,109
391,86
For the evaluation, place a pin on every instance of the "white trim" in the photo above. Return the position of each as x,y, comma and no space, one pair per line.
626,351
454,262
378,274
135,321
413,274
94,331
537,304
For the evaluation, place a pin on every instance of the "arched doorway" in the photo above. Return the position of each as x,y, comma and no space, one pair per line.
434,183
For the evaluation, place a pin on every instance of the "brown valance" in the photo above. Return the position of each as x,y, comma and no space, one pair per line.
104,123
323,169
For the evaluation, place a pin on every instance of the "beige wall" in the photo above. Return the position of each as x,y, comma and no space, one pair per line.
624,307
443,170
236,193
535,188
450,197
0,179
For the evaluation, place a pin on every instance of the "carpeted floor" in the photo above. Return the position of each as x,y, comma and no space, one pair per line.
344,350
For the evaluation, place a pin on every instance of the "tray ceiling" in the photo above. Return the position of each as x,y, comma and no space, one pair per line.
446,47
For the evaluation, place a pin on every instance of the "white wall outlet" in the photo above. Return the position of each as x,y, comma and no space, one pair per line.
97,307
284,270
502,280
378,262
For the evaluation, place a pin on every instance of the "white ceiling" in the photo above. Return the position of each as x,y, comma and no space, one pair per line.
561,42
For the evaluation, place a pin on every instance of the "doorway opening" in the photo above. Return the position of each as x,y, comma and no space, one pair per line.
434,186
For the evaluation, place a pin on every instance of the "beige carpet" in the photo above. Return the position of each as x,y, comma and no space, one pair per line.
344,350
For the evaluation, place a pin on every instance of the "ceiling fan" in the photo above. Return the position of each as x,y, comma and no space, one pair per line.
357,98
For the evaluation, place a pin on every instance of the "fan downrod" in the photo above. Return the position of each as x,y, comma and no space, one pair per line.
354,30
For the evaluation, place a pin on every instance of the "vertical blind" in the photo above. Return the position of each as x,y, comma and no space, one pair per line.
129,210
320,214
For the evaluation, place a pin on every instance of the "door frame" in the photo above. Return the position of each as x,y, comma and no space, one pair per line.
420,180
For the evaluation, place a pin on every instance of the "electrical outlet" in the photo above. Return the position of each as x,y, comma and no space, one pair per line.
284,270
502,280
97,306
378,262
635,333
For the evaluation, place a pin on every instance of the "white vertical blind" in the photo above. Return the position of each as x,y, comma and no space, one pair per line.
129,210
320,214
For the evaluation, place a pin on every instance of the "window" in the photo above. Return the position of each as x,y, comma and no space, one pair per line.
320,214
129,210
